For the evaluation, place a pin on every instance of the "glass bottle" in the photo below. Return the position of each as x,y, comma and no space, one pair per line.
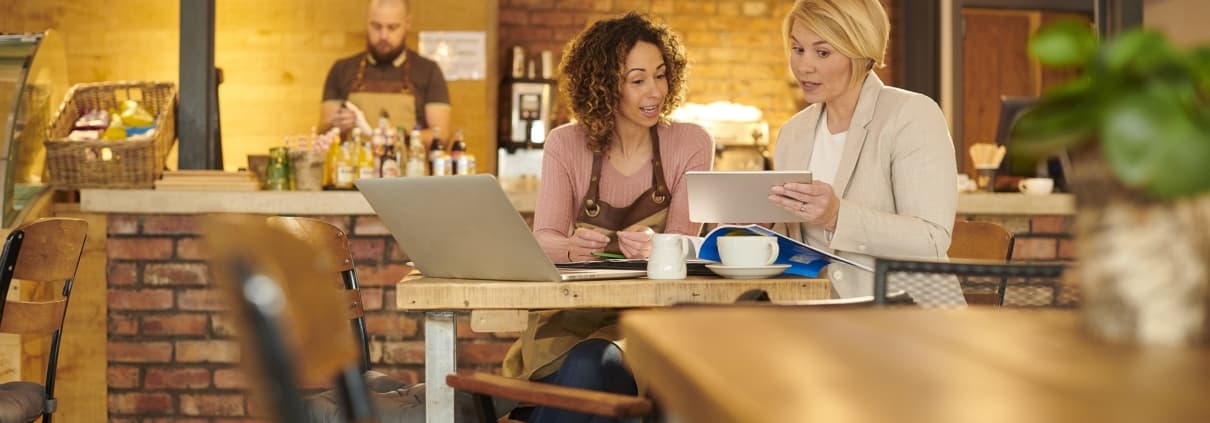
417,162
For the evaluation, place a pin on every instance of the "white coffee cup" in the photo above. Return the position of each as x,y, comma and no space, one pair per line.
747,250
1036,186
668,255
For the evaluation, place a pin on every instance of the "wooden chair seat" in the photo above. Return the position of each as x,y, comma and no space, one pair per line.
528,392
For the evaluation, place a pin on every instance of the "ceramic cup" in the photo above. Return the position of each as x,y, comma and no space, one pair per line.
668,255
1036,186
747,250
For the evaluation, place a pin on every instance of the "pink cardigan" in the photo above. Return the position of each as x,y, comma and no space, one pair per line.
567,165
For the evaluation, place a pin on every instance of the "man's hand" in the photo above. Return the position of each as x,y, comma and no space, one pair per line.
344,119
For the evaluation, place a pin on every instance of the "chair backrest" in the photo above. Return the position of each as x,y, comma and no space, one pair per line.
286,304
982,241
46,252
925,274
331,245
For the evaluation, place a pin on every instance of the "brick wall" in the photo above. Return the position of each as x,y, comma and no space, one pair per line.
734,46
171,349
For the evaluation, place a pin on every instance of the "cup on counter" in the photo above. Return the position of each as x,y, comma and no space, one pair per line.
747,250
985,178
1036,186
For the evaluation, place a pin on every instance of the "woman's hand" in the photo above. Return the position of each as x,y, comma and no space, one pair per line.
583,242
635,241
815,202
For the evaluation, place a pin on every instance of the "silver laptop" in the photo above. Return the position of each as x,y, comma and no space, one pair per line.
464,227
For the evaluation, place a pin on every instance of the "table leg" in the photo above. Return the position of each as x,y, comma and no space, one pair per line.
440,359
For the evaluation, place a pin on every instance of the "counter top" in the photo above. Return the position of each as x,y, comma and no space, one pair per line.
352,203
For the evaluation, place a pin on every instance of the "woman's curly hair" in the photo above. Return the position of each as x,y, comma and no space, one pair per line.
592,71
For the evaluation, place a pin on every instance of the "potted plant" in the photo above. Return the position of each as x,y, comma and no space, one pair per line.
1136,124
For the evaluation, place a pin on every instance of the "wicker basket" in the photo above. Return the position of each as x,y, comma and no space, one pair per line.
111,164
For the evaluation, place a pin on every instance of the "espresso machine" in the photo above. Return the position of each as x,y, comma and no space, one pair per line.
527,115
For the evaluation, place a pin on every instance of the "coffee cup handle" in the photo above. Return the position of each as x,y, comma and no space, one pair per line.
773,251
1021,185
687,252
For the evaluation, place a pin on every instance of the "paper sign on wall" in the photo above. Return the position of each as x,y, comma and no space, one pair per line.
461,54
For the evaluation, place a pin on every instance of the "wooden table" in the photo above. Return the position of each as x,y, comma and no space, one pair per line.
440,298
906,365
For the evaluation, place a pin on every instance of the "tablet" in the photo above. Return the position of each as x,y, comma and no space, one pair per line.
739,196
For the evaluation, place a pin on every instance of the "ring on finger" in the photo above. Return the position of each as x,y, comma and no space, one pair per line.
802,207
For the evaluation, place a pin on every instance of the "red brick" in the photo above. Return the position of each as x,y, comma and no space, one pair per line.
140,403
534,4
191,249
139,248
174,324
212,405
207,351
180,274
482,353
139,352
552,18
1034,249
169,225
230,379
1067,249
1050,225
389,274
123,224
369,225
397,254
367,248
202,300
513,17
189,378
143,299
407,352
464,330
122,377
391,325
122,274
123,325
371,299
223,324
243,420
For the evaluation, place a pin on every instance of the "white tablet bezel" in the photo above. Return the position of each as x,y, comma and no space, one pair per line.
739,196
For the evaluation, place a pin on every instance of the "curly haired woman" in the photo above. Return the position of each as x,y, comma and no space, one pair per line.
609,182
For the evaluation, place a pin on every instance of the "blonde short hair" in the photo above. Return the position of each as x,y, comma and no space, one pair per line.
858,29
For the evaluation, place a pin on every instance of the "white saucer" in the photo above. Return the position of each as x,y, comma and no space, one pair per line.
742,272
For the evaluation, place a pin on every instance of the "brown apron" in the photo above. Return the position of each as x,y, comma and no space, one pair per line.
550,334
394,97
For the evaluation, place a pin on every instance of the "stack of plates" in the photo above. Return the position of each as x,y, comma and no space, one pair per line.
207,180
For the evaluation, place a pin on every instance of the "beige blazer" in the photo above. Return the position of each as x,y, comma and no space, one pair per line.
897,182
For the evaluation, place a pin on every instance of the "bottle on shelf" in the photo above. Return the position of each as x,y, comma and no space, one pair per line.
344,171
417,161
458,155
439,159
388,161
367,163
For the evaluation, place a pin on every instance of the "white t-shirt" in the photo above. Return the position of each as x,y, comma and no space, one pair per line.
825,155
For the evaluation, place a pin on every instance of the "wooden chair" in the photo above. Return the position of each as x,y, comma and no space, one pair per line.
982,241
288,306
45,252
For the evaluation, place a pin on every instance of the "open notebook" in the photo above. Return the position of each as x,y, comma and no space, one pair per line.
464,227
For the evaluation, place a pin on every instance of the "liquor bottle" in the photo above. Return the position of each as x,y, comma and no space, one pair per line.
439,160
417,163
388,161
458,155
344,171
367,164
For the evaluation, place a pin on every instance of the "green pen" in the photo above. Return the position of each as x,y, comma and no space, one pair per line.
603,254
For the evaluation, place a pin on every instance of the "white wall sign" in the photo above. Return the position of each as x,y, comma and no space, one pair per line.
461,54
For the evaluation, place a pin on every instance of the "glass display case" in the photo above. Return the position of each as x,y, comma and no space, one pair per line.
33,81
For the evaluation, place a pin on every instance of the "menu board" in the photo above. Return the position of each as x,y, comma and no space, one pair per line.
460,54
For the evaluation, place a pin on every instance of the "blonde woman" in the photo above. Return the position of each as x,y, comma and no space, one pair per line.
882,159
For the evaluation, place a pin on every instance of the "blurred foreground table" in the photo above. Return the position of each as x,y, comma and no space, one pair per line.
751,364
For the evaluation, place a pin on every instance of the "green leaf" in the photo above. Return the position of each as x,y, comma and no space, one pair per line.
1051,126
1139,52
1064,43
1153,144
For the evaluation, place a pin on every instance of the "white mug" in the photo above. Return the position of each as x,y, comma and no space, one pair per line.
1036,186
668,254
747,250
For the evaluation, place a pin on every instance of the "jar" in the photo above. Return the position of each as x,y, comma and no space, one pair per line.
278,176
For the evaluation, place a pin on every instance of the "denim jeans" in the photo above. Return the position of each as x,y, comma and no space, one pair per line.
594,364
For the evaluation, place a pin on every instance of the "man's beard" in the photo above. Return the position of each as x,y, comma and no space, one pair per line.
387,57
